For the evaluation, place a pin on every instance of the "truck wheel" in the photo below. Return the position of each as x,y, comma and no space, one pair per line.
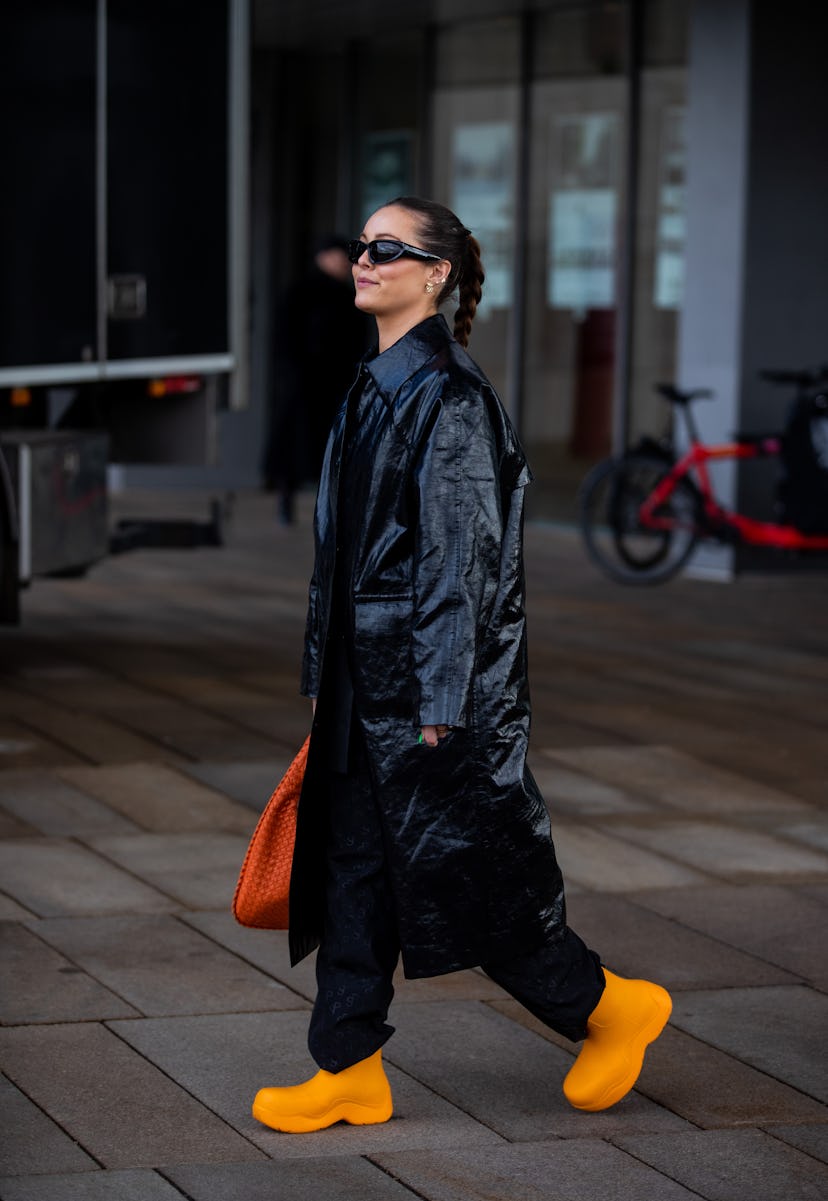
9,586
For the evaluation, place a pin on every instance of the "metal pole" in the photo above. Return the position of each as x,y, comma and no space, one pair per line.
517,329
349,177
424,174
626,266
238,241
101,211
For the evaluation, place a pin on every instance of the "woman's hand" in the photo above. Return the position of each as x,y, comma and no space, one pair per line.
433,734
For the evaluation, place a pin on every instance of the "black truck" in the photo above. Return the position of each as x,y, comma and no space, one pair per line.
123,273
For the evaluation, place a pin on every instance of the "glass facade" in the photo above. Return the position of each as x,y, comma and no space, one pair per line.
475,141
578,132
557,135
658,231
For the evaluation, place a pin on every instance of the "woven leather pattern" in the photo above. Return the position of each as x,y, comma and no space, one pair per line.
263,889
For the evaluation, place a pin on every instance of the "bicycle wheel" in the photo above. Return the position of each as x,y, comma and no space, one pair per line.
611,497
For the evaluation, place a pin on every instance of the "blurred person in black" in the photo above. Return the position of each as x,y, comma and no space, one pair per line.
316,324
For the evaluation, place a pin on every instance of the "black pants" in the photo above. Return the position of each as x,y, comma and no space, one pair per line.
560,983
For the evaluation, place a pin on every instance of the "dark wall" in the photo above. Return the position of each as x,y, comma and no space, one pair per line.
47,197
785,315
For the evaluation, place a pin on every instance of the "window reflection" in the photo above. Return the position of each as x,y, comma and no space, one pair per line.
482,195
474,173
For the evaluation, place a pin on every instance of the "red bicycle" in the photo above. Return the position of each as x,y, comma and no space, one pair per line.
643,512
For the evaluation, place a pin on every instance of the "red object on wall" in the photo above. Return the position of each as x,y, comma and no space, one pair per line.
594,378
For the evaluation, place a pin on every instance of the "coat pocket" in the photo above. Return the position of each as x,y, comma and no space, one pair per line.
383,678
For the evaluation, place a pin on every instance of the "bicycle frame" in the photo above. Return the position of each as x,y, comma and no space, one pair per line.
720,521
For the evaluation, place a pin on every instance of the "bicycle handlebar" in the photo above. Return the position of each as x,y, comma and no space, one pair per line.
802,379
807,378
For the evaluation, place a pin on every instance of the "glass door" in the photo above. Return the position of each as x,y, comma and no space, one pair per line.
576,203
476,136
474,170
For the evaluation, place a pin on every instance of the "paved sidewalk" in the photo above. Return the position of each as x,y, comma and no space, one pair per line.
680,740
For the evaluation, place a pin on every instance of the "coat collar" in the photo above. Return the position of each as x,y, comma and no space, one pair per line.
399,362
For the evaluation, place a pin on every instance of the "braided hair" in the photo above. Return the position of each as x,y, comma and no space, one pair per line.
441,232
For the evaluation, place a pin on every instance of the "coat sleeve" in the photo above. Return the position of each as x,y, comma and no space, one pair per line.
456,557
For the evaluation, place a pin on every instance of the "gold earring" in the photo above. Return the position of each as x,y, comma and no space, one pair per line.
429,287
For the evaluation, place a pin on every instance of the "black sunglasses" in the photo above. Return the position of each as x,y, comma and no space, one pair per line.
387,250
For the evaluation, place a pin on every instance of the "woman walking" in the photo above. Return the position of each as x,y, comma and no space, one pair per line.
421,831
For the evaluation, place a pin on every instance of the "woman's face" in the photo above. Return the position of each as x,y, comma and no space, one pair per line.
393,290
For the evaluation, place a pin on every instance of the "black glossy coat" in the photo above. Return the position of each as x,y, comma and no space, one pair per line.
426,519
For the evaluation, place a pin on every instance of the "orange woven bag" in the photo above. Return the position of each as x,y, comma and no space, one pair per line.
263,890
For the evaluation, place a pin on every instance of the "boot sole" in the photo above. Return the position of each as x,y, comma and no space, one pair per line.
343,1111
663,1007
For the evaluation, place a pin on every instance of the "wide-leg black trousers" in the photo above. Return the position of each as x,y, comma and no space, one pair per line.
560,983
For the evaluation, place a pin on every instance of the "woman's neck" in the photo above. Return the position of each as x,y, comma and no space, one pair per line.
391,329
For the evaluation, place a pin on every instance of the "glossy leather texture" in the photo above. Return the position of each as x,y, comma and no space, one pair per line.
420,523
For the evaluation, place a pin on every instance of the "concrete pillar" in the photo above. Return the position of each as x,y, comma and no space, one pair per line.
757,237
785,281
710,336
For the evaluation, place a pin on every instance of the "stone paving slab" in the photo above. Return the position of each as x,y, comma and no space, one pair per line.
32,1143
52,877
118,1107
731,1165
724,850
39,985
250,783
595,859
268,950
504,1075
560,730
158,798
185,728
91,1186
10,911
13,827
780,1030
632,712
223,1061
198,869
251,709
57,809
787,763
787,926
175,677
761,760
677,780
576,794
93,738
634,941
20,747
336,1178
813,1140
818,892
712,1088
812,833
163,967
588,1170
782,659
694,1080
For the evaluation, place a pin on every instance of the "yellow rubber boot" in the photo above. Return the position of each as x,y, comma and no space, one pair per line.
630,1015
360,1095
